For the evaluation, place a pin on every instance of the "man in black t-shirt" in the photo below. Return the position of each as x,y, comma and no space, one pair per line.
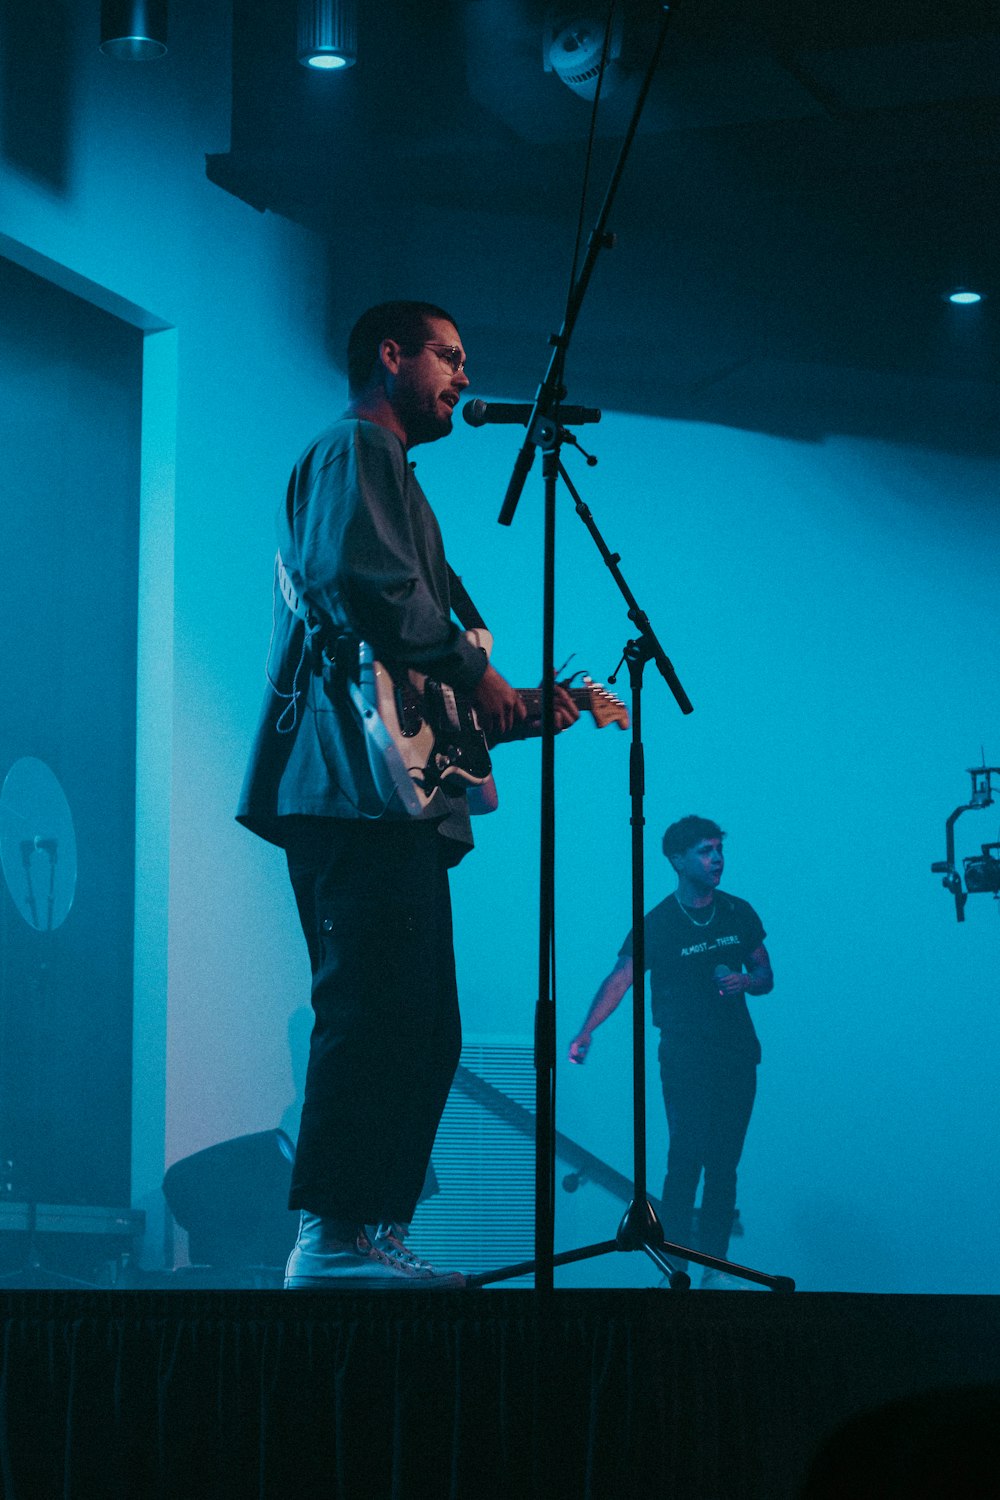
705,953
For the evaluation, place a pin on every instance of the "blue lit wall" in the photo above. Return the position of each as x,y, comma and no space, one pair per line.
830,607
105,193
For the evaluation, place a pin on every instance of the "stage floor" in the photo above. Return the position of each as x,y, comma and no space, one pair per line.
200,1395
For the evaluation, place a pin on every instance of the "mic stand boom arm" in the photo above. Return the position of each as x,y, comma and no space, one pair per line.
550,392
652,649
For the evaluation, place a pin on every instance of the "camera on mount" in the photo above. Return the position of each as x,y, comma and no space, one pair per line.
982,871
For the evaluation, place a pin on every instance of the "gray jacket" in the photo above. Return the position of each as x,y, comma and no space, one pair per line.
363,551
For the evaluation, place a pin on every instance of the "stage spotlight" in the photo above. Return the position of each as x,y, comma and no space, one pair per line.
134,30
328,34
571,48
963,297
232,1198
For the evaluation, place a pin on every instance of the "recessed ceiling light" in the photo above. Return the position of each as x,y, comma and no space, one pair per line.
328,34
963,297
134,30
326,60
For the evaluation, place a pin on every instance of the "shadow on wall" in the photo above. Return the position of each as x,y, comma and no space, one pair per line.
232,1199
37,89
945,401
950,412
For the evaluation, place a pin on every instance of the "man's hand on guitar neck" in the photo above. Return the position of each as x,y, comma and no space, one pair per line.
564,712
500,705
563,707
525,726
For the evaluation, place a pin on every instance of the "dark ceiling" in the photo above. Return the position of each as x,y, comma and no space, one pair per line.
807,179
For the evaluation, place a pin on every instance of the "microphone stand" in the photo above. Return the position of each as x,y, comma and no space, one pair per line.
545,431
640,1228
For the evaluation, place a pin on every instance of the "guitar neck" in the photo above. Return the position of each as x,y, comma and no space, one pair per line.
532,698
604,706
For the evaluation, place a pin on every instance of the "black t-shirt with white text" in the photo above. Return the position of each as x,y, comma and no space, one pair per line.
682,954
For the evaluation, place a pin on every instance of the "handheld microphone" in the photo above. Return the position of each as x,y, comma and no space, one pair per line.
720,972
482,413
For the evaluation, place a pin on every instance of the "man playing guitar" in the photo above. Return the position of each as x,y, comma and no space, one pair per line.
362,564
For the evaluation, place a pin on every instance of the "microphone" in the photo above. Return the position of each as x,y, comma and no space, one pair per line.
720,972
522,468
482,413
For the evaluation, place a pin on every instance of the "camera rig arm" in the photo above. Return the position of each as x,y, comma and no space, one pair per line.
982,796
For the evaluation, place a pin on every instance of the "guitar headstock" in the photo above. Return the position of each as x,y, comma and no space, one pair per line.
605,707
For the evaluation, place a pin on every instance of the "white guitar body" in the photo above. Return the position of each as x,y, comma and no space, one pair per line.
422,735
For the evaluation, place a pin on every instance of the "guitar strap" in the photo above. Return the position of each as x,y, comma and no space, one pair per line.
468,615
288,593
461,600
314,647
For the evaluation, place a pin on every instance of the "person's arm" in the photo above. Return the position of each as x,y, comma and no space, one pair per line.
608,998
758,979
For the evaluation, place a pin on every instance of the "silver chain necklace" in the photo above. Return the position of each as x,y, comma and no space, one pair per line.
692,920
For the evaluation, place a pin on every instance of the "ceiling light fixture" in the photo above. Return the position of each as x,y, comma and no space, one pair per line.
963,297
328,34
571,48
134,30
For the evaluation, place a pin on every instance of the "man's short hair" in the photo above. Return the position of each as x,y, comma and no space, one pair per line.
687,832
406,322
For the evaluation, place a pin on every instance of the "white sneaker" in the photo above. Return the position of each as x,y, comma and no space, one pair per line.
321,1259
390,1240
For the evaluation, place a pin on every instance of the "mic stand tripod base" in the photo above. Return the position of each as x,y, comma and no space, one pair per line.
32,1275
640,1229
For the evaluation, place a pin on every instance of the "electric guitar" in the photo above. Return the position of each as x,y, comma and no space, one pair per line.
423,735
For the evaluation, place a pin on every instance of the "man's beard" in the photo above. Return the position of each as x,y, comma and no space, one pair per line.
423,426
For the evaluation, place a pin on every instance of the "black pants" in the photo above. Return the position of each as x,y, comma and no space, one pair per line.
709,1097
375,908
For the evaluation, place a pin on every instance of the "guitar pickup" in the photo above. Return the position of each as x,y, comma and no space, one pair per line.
409,708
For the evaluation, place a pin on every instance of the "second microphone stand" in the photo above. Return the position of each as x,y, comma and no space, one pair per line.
639,1229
